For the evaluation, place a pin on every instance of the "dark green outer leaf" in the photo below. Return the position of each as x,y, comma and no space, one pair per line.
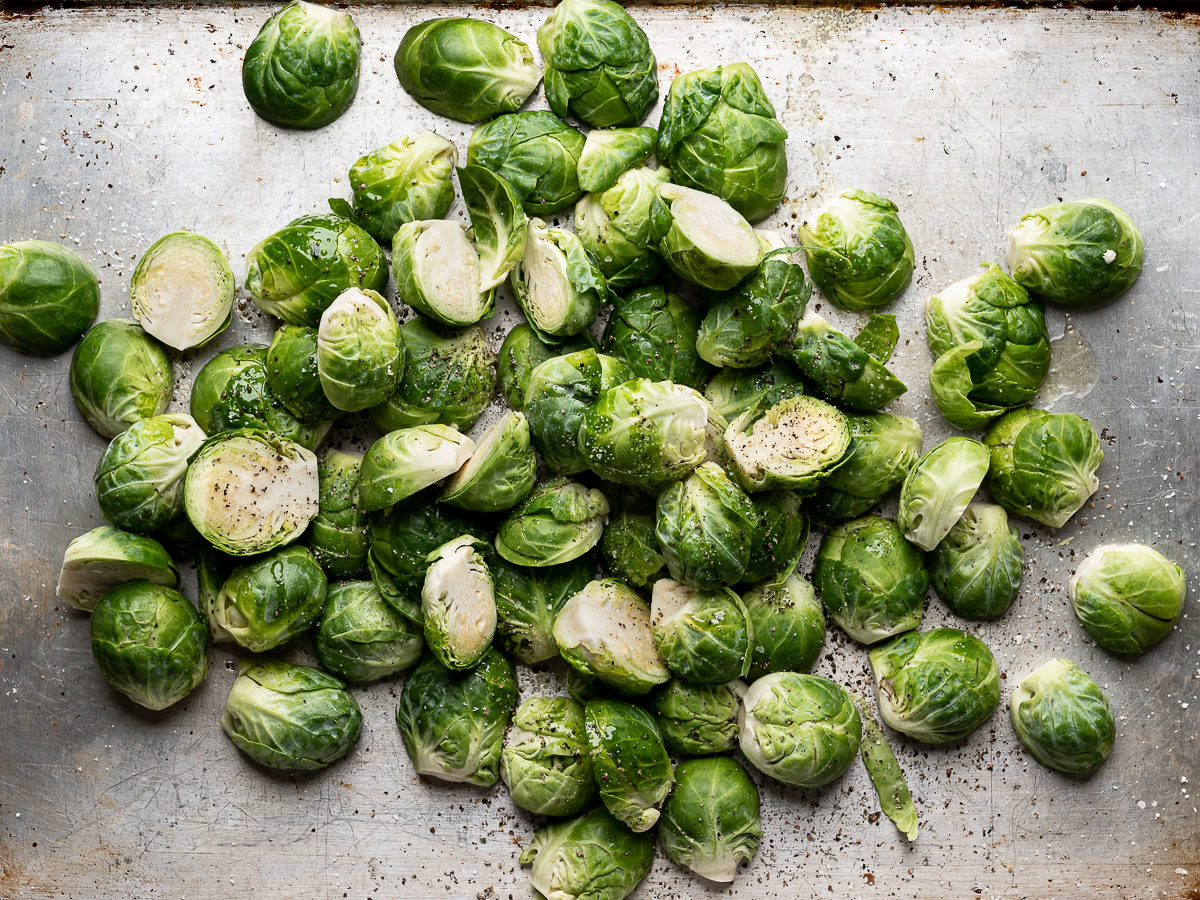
291,367
119,375
48,296
654,332
537,153
527,601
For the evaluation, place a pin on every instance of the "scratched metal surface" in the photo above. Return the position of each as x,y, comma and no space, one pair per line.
119,125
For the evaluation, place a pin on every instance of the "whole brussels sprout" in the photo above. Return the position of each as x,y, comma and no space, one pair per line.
794,444
604,631
119,376
883,447
935,686
537,153
629,761
465,69
290,717
360,637
977,567
719,134
779,538
292,378
599,65
560,521
802,730
1043,464
249,491
871,581
182,290
500,473
735,391
703,636
615,227
139,479
527,601
521,353
338,534
841,369
1127,596
301,71
556,282
269,600
149,643
698,719
452,722
609,152
1080,253
48,296
545,761
359,357
788,624
702,238
654,332
858,252
630,548
1063,718
705,525
592,857
106,557
402,537
710,822
938,488
458,603
408,460
299,270
559,394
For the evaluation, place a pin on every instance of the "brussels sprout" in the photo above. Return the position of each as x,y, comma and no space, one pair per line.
719,134
871,581
560,521
149,643
615,227
500,473
883,448
301,71
359,358
629,761
581,688
879,337
644,433
888,778
182,290
292,378
1127,596
521,353
654,332
604,631
48,296
119,376
1043,464
977,567
338,534
557,284
705,524
527,601
139,479
269,600
592,857
703,636
290,717
802,730
212,570
1063,718
458,603
537,153
1080,253
735,391
794,444
249,491
936,686
453,722
299,270
788,625
360,637
702,238
408,460
608,153
402,537
698,719
938,488
840,368
106,557
630,548
779,538
560,392
710,822
465,69
545,761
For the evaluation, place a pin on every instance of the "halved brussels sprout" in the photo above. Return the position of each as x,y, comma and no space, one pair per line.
560,521
698,719
338,534
402,537
976,569
290,717
521,353
883,447
841,369
1063,718
459,603
592,856
534,151
250,491
359,357
710,823
702,238
557,284
106,557
545,761
615,227
871,581
1127,596
1043,464
149,643
705,525
779,538
120,376
630,548
212,569
299,270
887,778
527,601
935,686
500,473
938,488
1080,253
609,152
139,479
182,290
604,631
629,761
292,378
794,444
453,722
49,296
269,600
360,637
719,134
466,69
703,636
788,625
654,331
735,391
408,460
802,730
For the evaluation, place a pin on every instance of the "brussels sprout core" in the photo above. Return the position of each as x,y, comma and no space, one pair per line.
182,290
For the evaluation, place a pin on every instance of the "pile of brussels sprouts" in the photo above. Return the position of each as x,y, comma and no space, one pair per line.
677,414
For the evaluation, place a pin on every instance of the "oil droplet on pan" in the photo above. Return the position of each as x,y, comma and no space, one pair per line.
1074,369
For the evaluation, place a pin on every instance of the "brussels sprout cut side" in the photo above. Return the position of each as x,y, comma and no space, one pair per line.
938,488
545,762
537,153
500,473
557,284
48,296
629,761
591,856
408,460
560,521
359,358
1063,718
106,557
788,625
794,444
182,290
710,822
1127,596
977,567
702,238
120,376
458,603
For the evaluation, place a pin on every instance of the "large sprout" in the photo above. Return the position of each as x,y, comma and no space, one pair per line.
883,448
788,624
106,557
793,444
705,525
458,603
527,602
654,331
703,636
616,228
48,296
938,488
408,460
338,534
360,637
779,538
698,719
609,152
402,536
842,370
557,284
592,856
119,376
629,546
545,761
537,153
629,761
735,391
1127,596
559,394
500,473
292,379
1063,718
702,238
269,600
710,822
182,290
977,567
558,522
359,357
521,353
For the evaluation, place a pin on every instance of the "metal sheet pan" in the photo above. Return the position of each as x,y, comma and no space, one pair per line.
117,125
